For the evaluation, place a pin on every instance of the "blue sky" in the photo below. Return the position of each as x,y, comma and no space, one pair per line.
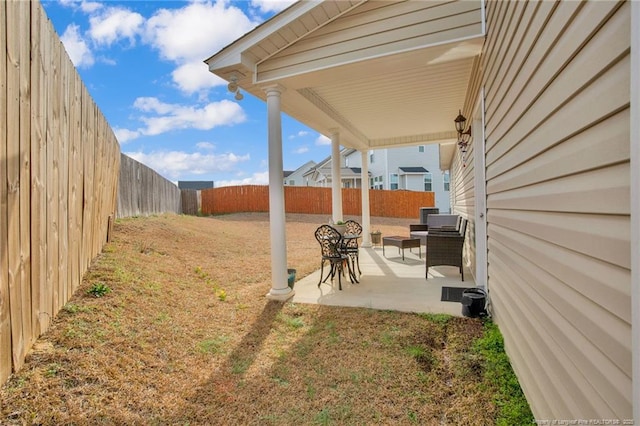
142,62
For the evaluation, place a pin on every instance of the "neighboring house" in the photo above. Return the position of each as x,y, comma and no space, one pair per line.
321,174
296,177
195,184
549,179
414,168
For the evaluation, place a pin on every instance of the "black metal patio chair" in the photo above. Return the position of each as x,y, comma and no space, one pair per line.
330,241
350,245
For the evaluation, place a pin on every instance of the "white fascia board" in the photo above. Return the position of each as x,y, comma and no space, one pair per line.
231,55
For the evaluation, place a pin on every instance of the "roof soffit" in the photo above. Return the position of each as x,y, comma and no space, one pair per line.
399,98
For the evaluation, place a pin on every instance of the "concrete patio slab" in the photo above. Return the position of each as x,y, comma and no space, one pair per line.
388,283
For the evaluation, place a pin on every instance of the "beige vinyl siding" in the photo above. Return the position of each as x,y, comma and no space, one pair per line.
556,78
463,201
377,28
463,173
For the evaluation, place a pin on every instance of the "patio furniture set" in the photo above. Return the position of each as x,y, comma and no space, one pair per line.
443,237
339,249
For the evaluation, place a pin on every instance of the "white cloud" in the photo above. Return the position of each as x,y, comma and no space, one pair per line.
197,30
90,6
189,35
323,140
300,134
163,117
301,150
194,76
205,146
259,178
76,47
269,6
124,135
175,164
85,6
114,23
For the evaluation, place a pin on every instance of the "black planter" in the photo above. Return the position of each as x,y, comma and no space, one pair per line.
473,302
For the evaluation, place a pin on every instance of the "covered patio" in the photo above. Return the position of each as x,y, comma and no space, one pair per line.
368,75
388,282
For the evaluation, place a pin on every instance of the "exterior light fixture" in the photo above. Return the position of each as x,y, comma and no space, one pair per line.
233,87
463,136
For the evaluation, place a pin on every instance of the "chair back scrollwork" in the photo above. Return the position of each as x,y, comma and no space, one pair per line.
329,239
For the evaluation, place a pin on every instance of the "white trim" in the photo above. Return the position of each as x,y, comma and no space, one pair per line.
634,142
480,193
261,32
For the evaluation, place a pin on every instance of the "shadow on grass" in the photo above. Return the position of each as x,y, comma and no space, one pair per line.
334,365
222,386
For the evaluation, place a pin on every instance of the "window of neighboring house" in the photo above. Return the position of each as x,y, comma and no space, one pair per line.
427,182
445,180
371,158
393,181
346,184
420,148
292,182
378,182
371,181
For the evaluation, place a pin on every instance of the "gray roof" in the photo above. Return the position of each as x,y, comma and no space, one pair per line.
413,169
195,184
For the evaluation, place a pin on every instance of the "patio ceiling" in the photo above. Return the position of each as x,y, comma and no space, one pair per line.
387,93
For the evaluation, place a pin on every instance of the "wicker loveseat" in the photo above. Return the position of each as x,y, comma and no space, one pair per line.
445,248
434,221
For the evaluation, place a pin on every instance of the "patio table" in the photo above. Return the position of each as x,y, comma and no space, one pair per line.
402,243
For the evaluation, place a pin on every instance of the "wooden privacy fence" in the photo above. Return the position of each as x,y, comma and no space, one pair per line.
58,179
313,200
142,191
190,201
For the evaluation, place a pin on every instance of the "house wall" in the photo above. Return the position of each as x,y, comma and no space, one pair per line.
388,161
297,178
463,173
556,78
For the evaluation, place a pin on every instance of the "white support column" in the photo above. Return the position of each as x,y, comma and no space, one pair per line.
279,278
336,179
364,191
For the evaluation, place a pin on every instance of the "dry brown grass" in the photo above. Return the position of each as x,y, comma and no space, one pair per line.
186,336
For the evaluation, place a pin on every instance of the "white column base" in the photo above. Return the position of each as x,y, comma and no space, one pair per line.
280,294
366,245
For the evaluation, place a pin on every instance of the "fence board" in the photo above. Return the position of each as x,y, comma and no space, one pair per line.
13,180
189,199
46,291
314,200
24,19
75,185
5,321
63,179
38,175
